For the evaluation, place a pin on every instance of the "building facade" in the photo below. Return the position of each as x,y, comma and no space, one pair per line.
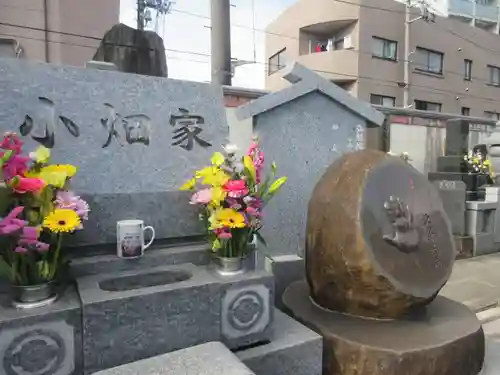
360,45
55,31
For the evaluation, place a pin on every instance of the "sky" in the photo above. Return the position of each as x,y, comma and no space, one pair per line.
186,29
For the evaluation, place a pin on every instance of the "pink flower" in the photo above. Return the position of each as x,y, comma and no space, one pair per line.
21,250
12,142
201,197
236,188
257,156
16,165
68,200
24,185
223,234
11,224
253,211
36,245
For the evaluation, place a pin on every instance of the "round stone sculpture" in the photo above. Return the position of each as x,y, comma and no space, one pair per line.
378,240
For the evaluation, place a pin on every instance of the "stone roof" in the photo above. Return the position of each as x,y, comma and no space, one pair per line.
303,82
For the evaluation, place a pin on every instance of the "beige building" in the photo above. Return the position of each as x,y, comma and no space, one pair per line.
360,45
38,29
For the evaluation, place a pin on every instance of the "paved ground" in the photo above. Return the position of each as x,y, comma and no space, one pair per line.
476,283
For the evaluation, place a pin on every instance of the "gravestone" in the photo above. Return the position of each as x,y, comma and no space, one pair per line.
135,139
133,51
303,128
379,245
452,166
453,194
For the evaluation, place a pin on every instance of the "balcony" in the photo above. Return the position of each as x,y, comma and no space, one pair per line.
338,66
486,11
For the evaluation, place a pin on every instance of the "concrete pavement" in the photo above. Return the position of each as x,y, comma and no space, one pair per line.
475,282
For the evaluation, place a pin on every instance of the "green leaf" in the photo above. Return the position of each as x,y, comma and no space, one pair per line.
277,185
7,271
260,238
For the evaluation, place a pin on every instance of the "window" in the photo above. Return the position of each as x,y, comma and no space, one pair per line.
386,101
465,111
494,73
338,44
492,115
277,61
427,106
429,61
384,48
467,69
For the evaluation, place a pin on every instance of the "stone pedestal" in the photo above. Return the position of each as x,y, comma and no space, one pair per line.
445,338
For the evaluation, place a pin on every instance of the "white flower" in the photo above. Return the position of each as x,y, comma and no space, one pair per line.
230,148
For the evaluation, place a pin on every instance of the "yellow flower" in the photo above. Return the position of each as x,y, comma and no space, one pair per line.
226,218
212,176
218,195
56,175
41,155
217,159
189,185
62,220
248,163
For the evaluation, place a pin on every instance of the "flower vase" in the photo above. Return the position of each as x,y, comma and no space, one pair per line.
231,266
33,296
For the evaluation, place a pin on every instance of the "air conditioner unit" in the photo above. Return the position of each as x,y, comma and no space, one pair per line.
348,42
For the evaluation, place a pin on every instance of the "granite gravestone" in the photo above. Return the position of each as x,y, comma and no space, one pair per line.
135,139
379,245
303,128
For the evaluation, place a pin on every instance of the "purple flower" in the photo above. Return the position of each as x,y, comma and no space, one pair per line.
68,200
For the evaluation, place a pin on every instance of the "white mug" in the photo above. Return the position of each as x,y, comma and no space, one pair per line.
130,238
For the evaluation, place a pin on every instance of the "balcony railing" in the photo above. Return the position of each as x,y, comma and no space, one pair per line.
484,10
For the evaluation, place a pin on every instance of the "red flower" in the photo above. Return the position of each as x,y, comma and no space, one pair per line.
236,188
23,185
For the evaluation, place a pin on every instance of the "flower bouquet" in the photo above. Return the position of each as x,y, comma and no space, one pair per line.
231,194
404,156
38,209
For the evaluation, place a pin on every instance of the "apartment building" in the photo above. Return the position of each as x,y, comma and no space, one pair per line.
360,45
56,31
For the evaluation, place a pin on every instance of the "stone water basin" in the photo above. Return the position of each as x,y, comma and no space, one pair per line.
131,315
150,279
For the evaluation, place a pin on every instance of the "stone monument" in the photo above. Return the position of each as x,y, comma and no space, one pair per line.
304,127
378,250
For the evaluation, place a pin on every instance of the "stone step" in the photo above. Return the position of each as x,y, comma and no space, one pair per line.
293,349
212,358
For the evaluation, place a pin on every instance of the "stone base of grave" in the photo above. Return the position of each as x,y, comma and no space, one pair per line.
212,358
292,349
464,246
444,339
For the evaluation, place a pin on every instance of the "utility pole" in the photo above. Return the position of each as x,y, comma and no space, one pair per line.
406,78
141,7
427,17
220,11
473,21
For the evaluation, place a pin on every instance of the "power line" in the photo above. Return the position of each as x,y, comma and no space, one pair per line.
352,76
194,53
263,63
